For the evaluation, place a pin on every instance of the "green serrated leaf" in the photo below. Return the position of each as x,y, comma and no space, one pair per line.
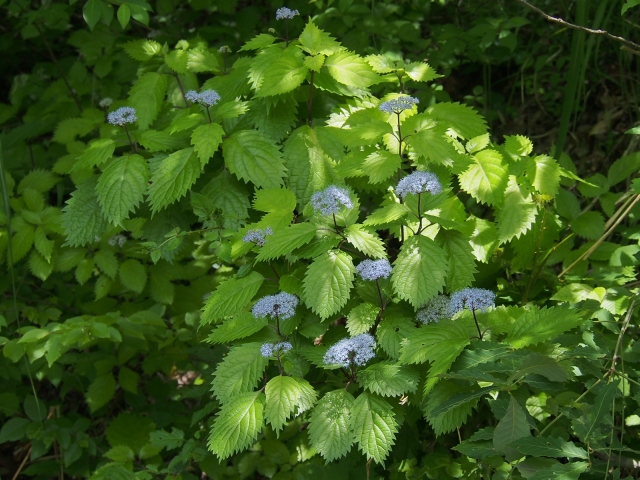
239,372
315,41
517,214
541,325
259,41
205,140
330,425
121,187
142,50
286,241
96,153
463,119
566,471
387,214
389,379
254,157
420,72
486,178
374,426
350,69
328,283
381,165
240,326
237,425
420,271
462,265
283,75
548,447
510,428
362,318
82,217
133,275
173,178
146,97
101,391
367,242
231,296
544,173
282,394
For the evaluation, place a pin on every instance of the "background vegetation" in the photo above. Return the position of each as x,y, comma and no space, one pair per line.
120,308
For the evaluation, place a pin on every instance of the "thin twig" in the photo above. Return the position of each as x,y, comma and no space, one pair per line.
630,46
24,461
625,325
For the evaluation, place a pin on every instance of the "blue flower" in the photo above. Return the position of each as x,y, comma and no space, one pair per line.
356,350
257,236
207,98
471,299
374,269
275,349
434,310
418,182
192,96
397,105
122,115
286,13
282,305
330,200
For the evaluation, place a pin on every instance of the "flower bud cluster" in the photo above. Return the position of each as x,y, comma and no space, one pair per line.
434,310
398,105
207,98
471,299
374,269
257,236
122,116
286,13
356,350
282,305
330,200
419,182
275,349
117,240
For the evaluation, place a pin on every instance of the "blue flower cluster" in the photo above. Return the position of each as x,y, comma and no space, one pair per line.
207,98
418,182
282,305
330,200
257,236
471,299
374,269
434,310
356,350
397,105
275,349
122,115
286,13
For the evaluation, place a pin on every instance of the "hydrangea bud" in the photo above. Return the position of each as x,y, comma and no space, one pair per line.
224,49
286,13
122,116
397,105
419,182
330,200
105,102
275,349
282,305
471,299
356,350
434,310
117,240
257,236
374,269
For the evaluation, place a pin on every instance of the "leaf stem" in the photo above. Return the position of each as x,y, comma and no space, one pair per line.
184,96
310,102
419,215
473,310
133,144
208,114
560,415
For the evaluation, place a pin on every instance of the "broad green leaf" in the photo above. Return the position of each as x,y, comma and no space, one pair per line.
374,426
448,417
392,332
283,75
82,218
96,153
548,447
383,63
387,214
541,325
124,15
328,283
176,60
274,199
287,240
101,391
230,196
146,97
13,429
362,318
201,61
434,144
92,11
254,157
133,275
438,343
380,165
589,225
142,50
420,72
38,180
458,400
282,394
205,140
420,271
517,146
240,326
330,429
155,141
389,379
566,471
350,69
230,297
237,425
173,178
536,364
163,439
367,242
130,430
589,425
122,186
239,372
544,173
623,168
476,144
315,41
517,214
463,119
510,428
70,128
128,380
462,265
259,41
486,178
